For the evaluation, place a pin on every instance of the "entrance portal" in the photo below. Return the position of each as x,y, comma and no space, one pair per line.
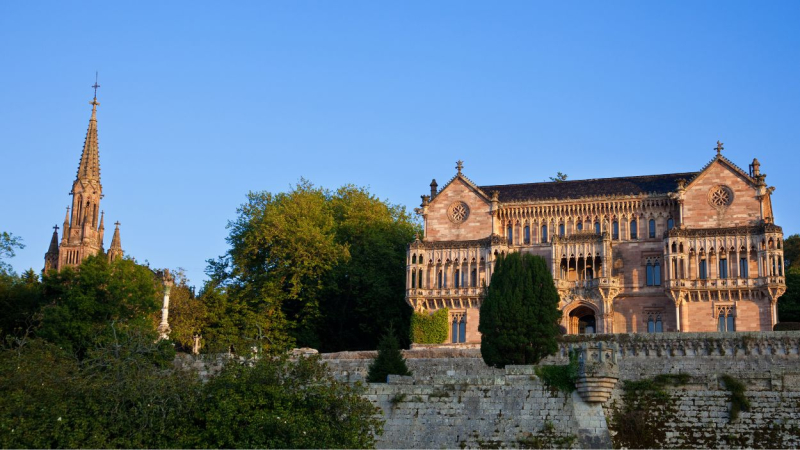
582,321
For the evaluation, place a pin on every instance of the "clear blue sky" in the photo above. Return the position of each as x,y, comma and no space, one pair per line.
202,102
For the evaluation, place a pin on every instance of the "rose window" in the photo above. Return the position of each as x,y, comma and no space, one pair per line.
720,196
458,212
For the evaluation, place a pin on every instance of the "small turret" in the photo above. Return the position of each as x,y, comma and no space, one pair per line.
434,188
101,230
51,257
115,250
755,168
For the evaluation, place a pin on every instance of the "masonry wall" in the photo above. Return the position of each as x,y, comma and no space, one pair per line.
698,213
440,228
454,399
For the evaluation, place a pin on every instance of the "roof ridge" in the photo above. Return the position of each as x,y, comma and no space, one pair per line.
592,179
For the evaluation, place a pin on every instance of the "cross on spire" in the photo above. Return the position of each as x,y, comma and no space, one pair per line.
459,165
719,148
117,223
55,228
95,85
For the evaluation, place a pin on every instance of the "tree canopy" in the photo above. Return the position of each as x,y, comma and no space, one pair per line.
315,268
519,315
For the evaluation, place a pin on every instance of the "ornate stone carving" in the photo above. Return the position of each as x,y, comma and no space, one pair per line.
720,197
597,372
458,212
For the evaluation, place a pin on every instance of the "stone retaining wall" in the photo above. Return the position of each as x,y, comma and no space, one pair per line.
491,407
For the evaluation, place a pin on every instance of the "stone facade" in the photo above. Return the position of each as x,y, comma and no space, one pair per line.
83,227
694,251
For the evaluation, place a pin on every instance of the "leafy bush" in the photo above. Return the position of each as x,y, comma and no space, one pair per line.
786,326
429,328
561,377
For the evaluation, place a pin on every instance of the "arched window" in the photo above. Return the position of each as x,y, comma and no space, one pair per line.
651,227
458,328
420,278
615,230
473,278
561,230
510,235
579,226
414,259
544,234
597,227
651,325
650,274
527,234
457,279
634,233
723,268
439,280
726,319
413,278
454,330
462,329
674,247
657,273
702,270
670,223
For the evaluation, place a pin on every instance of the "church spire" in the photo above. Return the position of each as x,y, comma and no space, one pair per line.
89,167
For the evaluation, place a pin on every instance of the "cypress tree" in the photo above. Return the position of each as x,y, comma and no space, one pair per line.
519,315
389,361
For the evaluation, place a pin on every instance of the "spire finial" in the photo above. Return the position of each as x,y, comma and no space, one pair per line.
55,227
459,165
719,148
95,85
117,224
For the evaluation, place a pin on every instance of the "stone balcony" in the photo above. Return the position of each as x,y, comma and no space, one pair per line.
724,283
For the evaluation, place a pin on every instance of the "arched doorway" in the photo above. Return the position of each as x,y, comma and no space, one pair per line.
582,321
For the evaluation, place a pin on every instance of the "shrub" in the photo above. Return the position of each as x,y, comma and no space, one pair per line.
519,315
429,328
389,361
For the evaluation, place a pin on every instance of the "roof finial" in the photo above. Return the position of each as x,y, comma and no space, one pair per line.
55,228
719,148
459,165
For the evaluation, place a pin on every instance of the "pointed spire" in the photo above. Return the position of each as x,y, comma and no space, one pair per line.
54,242
89,167
115,250
101,229
102,217
66,221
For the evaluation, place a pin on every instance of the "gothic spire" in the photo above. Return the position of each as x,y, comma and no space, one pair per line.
54,242
115,250
89,167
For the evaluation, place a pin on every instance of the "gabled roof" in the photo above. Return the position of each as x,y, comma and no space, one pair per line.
597,187
725,162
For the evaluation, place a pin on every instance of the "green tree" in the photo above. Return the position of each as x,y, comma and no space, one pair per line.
8,244
389,361
519,315
20,301
559,177
187,313
791,251
789,302
279,403
318,268
81,303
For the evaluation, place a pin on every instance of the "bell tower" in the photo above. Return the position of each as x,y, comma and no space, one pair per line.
83,230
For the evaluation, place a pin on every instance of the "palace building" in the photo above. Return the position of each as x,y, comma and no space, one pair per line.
83,229
695,251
